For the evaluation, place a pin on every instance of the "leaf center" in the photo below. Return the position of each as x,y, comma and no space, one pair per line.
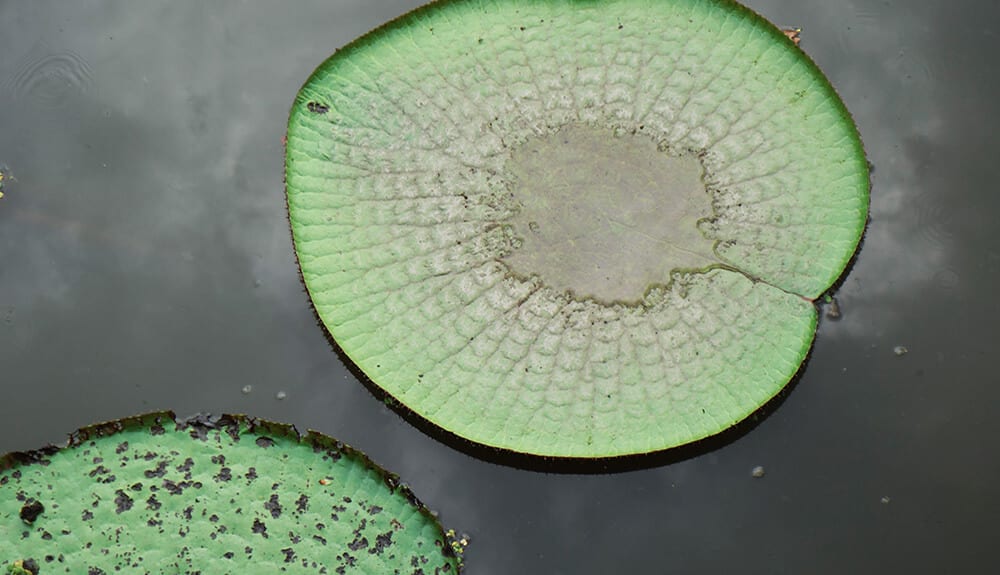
605,215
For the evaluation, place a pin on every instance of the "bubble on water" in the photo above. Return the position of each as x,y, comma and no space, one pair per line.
757,472
885,499
247,389
900,350
947,278
280,395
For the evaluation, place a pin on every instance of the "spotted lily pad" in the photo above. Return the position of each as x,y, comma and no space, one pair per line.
227,495
579,229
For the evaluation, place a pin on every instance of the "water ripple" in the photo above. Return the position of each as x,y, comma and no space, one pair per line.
50,78
860,22
934,219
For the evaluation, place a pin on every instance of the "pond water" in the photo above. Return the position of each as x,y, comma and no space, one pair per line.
146,264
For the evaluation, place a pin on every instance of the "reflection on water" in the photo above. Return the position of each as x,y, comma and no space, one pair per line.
145,263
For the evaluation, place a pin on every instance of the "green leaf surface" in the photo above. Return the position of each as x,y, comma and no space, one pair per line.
227,495
574,228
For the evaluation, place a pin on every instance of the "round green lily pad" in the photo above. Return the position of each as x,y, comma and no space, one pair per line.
227,495
567,228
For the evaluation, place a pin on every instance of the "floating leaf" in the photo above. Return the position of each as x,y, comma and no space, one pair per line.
227,495
575,229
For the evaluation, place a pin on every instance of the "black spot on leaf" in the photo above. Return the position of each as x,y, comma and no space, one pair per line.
273,506
302,503
99,470
172,487
31,510
122,502
160,471
382,542
358,543
317,108
391,481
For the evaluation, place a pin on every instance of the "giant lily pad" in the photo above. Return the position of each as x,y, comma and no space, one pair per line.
569,228
227,495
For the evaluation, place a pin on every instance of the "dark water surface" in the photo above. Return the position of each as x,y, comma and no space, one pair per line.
146,263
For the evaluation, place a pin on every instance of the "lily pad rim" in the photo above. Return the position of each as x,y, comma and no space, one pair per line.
530,460
228,423
577,464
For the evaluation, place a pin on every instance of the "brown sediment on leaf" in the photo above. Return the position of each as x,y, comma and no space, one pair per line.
793,34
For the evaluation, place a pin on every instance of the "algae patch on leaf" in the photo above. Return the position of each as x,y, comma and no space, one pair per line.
578,229
225,495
